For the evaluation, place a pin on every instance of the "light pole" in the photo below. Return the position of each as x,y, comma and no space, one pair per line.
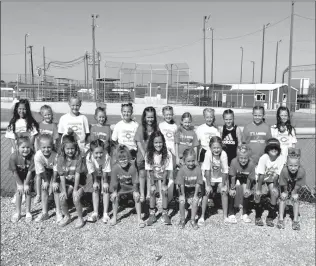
290,59
253,71
26,35
276,60
94,17
242,58
205,20
264,30
212,66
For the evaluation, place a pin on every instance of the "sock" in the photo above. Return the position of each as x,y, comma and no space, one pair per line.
245,206
272,211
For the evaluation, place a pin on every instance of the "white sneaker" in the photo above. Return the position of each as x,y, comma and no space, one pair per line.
232,219
14,199
245,218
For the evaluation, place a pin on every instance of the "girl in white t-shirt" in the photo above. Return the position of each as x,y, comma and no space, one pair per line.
125,130
284,131
205,132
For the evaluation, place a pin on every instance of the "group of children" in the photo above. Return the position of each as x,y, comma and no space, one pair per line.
153,162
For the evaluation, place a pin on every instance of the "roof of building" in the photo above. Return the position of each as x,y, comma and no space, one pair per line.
257,87
107,79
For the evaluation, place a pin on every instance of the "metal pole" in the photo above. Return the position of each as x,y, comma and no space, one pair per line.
94,17
204,58
276,60
25,65
290,57
44,65
85,72
242,57
262,56
31,51
253,71
212,56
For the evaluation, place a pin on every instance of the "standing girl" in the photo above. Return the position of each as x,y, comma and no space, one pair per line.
21,124
69,168
189,179
125,130
230,134
256,133
45,161
143,132
205,132
22,166
125,181
185,137
158,163
100,130
215,166
284,131
98,164
47,126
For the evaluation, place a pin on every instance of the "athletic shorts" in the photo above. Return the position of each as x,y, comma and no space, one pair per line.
202,155
215,187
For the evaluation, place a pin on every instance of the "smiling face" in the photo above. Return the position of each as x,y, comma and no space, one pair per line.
186,123
123,160
74,105
158,143
243,160
273,153
127,113
293,164
22,110
284,117
168,115
216,149
150,118
100,117
209,118
46,147
190,161
25,148
70,149
98,153
257,116
47,116
229,120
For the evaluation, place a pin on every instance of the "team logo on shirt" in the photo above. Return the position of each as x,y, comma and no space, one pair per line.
284,139
270,172
128,135
125,179
169,134
229,140
74,128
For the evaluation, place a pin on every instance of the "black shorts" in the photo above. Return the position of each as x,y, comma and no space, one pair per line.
202,155
82,181
189,192
214,187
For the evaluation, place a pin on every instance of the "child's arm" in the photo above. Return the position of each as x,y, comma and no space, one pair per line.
105,179
19,182
177,154
13,144
140,148
239,136
27,182
197,189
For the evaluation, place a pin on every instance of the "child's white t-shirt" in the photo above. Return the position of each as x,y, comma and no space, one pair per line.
286,140
158,168
42,163
217,167
79,124
169,131
93,165
268,168
204,133
20,127
124,134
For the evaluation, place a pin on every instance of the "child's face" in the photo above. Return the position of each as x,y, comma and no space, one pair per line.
229,120
98,153
70,149
127,113
293,164
168,115
243,160
74,105
257,116
158,144
47,116
284,116
25,149
216,148
190,161
150,118
123,160
100,117
273,153
22,110
46,147
186,123
209,118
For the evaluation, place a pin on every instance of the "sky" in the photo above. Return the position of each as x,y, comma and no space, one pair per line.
160,33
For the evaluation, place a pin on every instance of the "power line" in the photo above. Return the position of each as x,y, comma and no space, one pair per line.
304,17
12,54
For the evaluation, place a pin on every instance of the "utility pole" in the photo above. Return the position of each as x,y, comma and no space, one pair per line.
264,30
25,67
94,17
85,70
31,52
242,58
87,61
253,72
44,66
171,76
212,53
290,58
276,61
99,60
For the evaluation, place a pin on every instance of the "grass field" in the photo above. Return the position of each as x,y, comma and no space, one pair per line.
298,119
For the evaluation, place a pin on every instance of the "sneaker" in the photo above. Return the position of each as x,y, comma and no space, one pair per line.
296,226
181,224
280,224
106,218
93,218
66,220
23,198
59,217
245,218
80,223
13,199
37,199
194,225
151,220
201,222
259,222
28,217
269,222
42,217
226,221
165,219
15,218
232,219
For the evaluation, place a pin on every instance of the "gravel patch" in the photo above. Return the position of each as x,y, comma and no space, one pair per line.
125,244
